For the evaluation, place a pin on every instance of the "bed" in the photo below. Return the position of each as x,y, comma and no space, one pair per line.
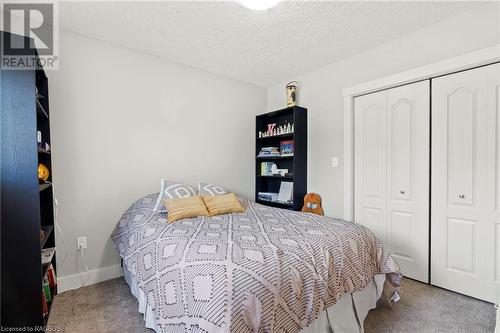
264,270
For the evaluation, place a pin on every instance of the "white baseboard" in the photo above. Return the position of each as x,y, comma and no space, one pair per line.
79,280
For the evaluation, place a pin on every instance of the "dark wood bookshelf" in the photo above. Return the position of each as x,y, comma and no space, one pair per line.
276,177
43,151
27,204
263,158
280,136
47,229
296,164
41,110
278,204
43,186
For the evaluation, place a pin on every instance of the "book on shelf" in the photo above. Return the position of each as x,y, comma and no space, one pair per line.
269,149
47,255
269,152
46,290
286,148
269,155
45,307
266,168
51,276
267,196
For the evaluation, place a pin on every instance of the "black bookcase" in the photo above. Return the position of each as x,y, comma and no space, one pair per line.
26,204
296,164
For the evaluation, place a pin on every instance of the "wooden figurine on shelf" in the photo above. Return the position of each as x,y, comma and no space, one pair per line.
312,204
291,93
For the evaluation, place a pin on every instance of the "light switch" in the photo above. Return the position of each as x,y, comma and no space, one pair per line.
335,162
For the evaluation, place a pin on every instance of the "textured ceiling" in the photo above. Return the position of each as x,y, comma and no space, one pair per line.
261,47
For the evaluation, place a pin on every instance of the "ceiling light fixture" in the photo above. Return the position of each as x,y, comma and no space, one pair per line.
259,4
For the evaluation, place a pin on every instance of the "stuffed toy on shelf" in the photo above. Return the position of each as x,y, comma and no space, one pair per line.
312,204
43,173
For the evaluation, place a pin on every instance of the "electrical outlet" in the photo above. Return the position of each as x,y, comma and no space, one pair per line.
81,243
335,162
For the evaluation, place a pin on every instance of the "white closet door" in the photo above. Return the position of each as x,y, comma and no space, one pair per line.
391,161
370,161
465,230
408,119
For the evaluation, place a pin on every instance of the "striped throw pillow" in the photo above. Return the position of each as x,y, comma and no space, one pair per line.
223,204
183,208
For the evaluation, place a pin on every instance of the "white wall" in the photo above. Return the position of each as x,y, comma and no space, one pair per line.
321,91
122,120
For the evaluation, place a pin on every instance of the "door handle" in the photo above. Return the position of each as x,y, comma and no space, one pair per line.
402,191
461,196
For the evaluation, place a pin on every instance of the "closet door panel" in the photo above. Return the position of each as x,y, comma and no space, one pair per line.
372,218
401,235
408,178
373,164
461,249
462,146
402,113
370,162
465,182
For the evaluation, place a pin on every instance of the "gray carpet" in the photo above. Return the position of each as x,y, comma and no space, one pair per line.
110,307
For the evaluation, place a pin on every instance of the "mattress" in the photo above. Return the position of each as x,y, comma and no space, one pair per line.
264,270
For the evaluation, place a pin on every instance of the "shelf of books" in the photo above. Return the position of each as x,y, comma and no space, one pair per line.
281,158
47,232
49,284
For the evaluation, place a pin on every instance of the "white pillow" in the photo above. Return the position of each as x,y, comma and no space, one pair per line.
210,189
172,190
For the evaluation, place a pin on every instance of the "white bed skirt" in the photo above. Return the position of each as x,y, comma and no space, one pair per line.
346,316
